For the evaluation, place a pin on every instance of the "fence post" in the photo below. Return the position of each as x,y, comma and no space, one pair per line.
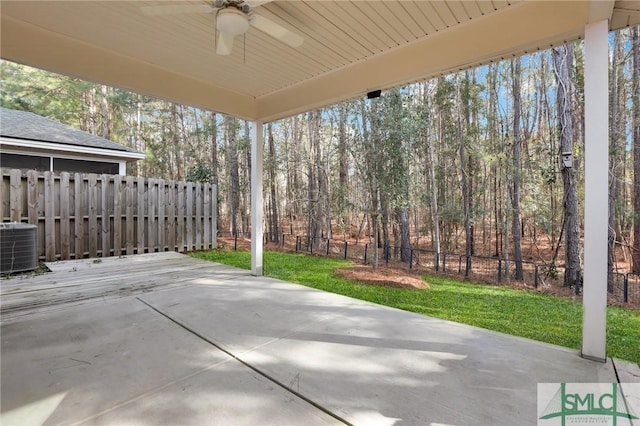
297,242
345,249
444,262
437,261
387,250
459,264
499,270
328,240
282,240
411,259
626,288
235,241
366,246
311,245
535,278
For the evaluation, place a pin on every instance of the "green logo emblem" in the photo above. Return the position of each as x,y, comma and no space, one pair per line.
588,405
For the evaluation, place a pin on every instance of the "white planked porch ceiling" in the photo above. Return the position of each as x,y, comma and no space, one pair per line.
350,47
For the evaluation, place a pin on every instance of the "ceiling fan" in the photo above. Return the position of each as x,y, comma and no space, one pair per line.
232,18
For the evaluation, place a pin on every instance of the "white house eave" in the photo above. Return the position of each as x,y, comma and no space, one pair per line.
48,147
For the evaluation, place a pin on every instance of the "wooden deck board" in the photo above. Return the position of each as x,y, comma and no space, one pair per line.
78,282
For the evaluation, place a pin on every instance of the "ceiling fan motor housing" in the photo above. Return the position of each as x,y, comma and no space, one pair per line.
232,21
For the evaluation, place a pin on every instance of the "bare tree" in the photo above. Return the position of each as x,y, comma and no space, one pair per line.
464,172
231,137
635,37
563,62
273,201
516,227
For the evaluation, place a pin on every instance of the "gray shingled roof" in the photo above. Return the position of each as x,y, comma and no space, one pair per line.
29,126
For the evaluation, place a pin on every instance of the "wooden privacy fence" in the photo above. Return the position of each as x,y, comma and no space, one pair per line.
88,215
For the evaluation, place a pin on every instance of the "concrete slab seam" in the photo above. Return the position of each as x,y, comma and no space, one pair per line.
246,364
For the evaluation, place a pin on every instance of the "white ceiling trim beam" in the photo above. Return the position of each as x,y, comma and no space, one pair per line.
30,45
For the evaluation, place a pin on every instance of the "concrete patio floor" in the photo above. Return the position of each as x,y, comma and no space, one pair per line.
167,339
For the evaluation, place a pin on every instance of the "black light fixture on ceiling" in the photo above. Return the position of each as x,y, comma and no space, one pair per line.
374,94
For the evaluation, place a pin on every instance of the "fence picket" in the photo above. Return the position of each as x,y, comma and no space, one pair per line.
189,216
214,216
161,215
16,196
93,214
105,216
152,229
32,196
198,227
182,242
65,244
117,215
140,219
78,218
207,215
171,216
50,219
129,224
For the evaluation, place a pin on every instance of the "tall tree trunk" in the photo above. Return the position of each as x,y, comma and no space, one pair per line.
384,207
435,212
275,231
402,217
516,227
343,167
213,132
93,111
104,112
138,133
431,170
474,127
615,148
635,37
370,141
315,178
245,179
175,142
563,60
552,159
231,134
492,77
464,173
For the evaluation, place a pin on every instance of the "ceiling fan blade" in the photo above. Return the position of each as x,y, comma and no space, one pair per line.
176,9
225,43
276,30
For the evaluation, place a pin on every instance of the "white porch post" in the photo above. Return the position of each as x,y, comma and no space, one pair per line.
596,116
256,198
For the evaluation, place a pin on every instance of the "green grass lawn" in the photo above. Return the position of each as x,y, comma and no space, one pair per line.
518,312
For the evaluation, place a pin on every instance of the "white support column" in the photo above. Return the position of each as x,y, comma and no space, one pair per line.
122,168
596,116
256,198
